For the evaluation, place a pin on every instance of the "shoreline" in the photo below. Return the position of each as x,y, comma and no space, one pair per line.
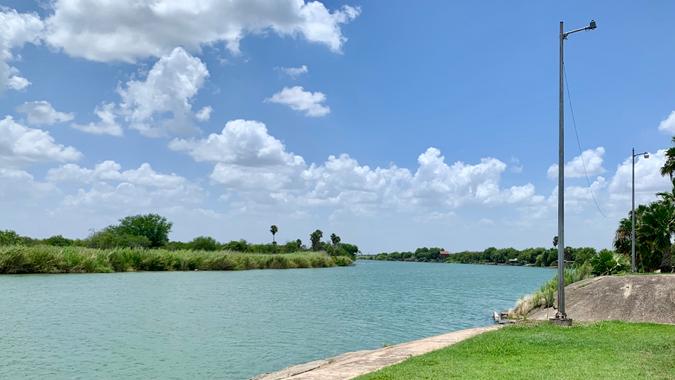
352,364
456,262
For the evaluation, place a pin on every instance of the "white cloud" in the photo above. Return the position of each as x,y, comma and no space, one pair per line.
128,30
311,103
16,29
258,168
18,186
668,124
204,114
107,123
110,171
168,88
42,113
592,160
294,72
107,188
241,142
648,178
21,145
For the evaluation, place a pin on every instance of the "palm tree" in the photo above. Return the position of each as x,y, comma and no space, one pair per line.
656,228
274,229
669,167
335,240
622,237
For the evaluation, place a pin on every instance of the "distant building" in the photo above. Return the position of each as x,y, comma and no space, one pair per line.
444,253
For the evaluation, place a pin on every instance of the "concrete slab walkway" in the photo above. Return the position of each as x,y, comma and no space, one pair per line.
353,364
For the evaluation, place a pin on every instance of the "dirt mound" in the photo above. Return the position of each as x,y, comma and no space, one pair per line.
634,298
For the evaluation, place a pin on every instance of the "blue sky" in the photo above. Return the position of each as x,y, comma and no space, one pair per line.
376,85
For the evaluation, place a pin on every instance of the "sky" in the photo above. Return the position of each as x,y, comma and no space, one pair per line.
394,124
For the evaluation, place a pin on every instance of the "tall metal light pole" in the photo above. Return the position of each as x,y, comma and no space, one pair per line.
561,315
632,213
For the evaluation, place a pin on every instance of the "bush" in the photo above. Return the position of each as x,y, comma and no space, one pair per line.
203,243
607,263
9,237
58,241
114,238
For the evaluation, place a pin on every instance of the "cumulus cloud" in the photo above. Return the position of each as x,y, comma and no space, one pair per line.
245,156
311,103
18,186
241,142
106,124
167,89
294,72
16,29
20,145
204,114
591,159
668,124
648,178
258,166
107,171
107,186
129,30
43,113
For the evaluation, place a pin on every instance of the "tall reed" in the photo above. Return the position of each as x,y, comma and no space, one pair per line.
50,259
546,295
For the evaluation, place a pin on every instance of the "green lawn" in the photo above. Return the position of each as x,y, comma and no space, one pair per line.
604,350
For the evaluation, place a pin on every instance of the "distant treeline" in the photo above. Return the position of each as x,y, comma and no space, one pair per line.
421,255
542,257
152,231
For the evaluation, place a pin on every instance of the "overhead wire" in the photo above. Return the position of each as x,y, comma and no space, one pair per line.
581,155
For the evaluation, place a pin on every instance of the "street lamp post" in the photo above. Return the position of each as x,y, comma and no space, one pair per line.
633,262
561,316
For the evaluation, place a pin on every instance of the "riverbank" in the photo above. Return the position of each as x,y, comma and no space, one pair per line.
50,259
634,298
353,364
603,350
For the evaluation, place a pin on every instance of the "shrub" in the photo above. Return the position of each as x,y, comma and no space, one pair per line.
203,243
114,238
9,237
607,262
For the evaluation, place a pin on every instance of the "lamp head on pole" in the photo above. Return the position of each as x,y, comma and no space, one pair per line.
592,25
646,155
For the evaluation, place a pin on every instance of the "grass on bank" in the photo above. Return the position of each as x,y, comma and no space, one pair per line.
546,295
49,259
604,350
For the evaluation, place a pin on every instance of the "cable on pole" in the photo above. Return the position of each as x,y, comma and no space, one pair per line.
581,155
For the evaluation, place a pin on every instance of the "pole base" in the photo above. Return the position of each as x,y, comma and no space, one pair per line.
564,321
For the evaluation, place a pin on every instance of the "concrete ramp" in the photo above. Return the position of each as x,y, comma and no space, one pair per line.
634,298
354,364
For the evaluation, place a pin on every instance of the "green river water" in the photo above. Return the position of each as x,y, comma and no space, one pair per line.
235,325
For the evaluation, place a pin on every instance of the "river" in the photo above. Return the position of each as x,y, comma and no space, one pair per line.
234,325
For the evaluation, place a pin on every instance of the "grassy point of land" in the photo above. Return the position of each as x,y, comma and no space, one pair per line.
603,350
49,259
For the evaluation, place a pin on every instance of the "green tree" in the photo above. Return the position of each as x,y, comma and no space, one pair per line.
9,237
655,230
274,229
152,226
111,237
58,241
315,238
204,243
668,167
335,240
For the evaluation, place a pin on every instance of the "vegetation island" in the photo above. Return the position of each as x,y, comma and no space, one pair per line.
141,243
